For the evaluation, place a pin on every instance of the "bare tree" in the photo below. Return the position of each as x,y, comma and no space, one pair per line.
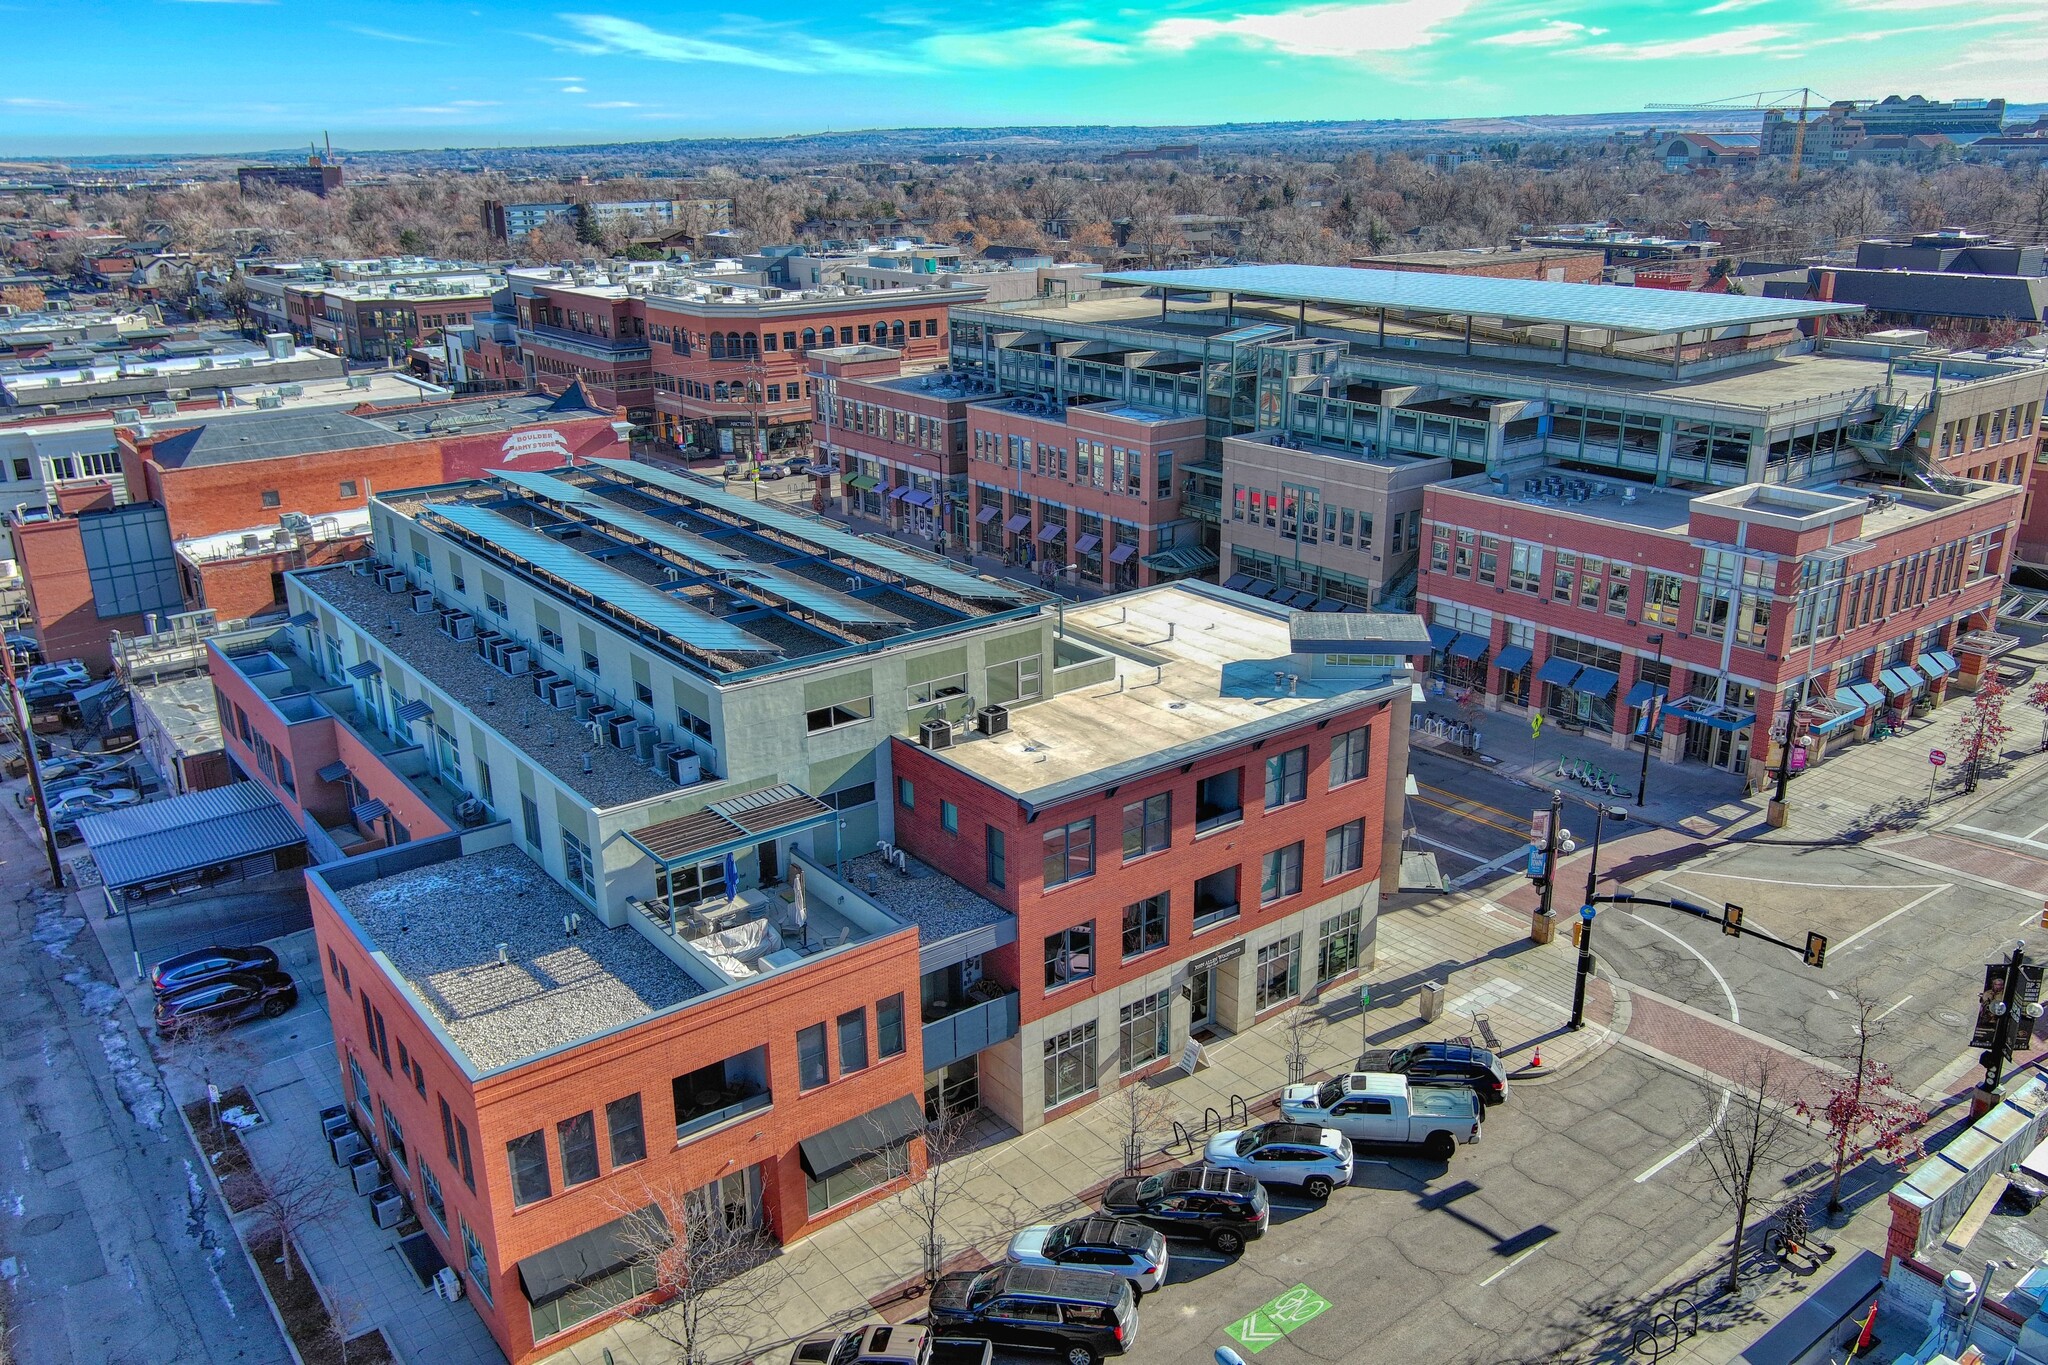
947,1140
347,1319
209,1052
292,1196
1302,1030
1864,1112
692,1256
1756,1134
1144,1119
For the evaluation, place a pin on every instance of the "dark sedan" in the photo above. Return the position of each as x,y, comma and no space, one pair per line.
203,964
225,1000
1448,1063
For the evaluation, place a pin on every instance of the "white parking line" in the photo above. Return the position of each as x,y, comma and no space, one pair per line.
1887,919
1890,1008
1511,1265
1678,1152
1466,854
1520,855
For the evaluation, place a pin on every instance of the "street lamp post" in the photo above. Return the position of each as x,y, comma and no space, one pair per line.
1651,732
1601,814
1778,811
2002,1037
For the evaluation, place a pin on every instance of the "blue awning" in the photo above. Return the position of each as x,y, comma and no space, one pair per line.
1895,681
1440,637
1932,667
333,772
1719,720
1558,672
1052,530
366,811
1640,693
1513,659
1856,712
1468,646
365,669
1597,682
987,515
412,711
1867,693
1236,582
1910,674
1942,657
899,492
920,498
1850,698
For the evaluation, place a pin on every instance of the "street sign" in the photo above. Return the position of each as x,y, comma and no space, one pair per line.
1731,920
1263,1326
1537,859
1816,949
1937,757
1536,726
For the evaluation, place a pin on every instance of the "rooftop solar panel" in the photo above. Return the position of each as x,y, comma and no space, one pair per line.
701,550
608,586
1620,307
897,562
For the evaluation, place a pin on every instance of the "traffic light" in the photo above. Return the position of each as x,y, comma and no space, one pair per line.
1578,932
1816,949
1731,920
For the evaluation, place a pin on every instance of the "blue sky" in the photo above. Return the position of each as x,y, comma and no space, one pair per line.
204,75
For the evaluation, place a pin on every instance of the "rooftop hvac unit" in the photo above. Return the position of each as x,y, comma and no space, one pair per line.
686,769
471,813
935,734
347,1145
422,601
296,522
618,730
487,641
366,1173
291,390
516,660
663,759
588,705
334,1122
993,720
163,408
278,345
362,568
359,381
390,579
461,626
645,737
541,679
269,401
176,396
388,1209
448,1284
561,694
127,417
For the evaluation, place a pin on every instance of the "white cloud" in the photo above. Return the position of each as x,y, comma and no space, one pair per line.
603,34
1750,40
1070,43
390,37
1895,5
613,104
1551,33
1322,30
1729,6
574,90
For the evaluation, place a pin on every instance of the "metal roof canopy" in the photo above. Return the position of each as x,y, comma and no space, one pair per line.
1621,308
705,552
828,539
730,825
605,586
161,839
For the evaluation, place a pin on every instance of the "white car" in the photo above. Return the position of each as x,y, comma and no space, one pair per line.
69,808
1316,1159
1118,1245
69,673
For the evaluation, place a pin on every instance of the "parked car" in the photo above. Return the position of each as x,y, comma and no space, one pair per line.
70,804
1473,1066
773,471
734,468
68,673
1226,1209
1317,1159
1118,1245
1379,1106
1081,1315
891,1344
226,999
70,765
104,778
203,964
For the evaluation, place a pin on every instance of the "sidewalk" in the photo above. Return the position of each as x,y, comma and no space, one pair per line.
854,1269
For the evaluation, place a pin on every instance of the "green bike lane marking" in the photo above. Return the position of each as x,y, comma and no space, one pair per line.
1266,1324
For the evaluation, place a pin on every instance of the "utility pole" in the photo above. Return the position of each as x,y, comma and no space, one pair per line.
1543,928
1653,723
1778,811
17,711
2001,1038
1586,913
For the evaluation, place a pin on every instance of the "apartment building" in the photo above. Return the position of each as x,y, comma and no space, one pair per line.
385,319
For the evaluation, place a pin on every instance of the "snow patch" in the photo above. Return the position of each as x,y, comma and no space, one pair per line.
54,931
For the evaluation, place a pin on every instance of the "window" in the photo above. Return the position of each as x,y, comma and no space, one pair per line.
577,1137
529,820
1660,598
1142,1031
270,498
576,864
628,1135
1617,589
1287,778
455,1137
1525,566
1350,757
811,1057
906,793
551,639
1069,1064
394,1138
1279,971
430,1187
495,605
839,713
1344,849
348,488
853,1041
824,1192
528,1158
1216,897
997,867
1148,825
1070,955
889,1040
1337,947
949,817
1145,925
1013,681
1281,874
1217,802
1069,853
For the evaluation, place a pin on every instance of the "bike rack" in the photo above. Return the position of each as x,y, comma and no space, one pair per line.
1240,1111
1683,1321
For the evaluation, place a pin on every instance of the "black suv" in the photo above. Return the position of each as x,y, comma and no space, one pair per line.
224,1000
1083,1315
1453,1063
1226,1209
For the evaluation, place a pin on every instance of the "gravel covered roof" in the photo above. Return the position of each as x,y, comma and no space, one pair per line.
939,906
441,925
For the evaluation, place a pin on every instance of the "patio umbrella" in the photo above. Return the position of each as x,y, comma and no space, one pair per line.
732,877
799,913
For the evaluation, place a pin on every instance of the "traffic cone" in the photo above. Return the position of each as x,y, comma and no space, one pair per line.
1537,1059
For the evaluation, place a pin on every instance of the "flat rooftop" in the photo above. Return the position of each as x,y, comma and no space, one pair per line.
440,927
939,906
203,439
1477,255
185,711
1195,666
1621,501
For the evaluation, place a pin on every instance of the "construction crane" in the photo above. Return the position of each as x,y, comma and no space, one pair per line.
1768,101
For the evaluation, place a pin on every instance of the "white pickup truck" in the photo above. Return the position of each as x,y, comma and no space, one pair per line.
1377,1106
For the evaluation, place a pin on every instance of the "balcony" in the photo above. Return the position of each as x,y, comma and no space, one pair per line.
950,1035
1202,506
713,1096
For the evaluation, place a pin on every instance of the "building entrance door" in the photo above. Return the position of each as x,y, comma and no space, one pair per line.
1201,999
1727,750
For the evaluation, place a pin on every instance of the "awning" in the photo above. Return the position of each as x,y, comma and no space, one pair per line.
919,498
1942,657
1597,682
1640,693
1049,532
1182,559
1513,659
302,618
863,482
728,826
548,1275
1327,604
1122,552
412,711
1895,682
1933,668
1855,711
1558,672
1867,693
160,839
1260,588
1712,714
841,1145
365,669
1910,674
1017,522
987,515
333,772
1440,638
1237,581
899,492
1468,646
363,812
1087,545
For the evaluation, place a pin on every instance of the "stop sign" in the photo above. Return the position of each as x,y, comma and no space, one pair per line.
1937,757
